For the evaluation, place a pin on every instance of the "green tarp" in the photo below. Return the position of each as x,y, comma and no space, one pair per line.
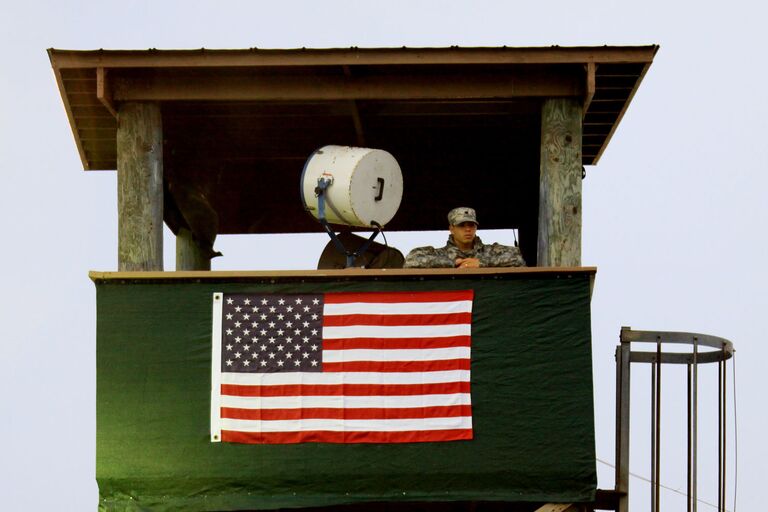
531,402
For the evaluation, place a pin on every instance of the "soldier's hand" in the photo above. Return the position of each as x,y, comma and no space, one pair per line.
467,263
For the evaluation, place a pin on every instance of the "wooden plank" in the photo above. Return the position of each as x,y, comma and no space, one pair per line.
624,81
612,93
70,114
97,123
83,100
219,87
614,103
103,93
322,274
284,134
140,187
256,128
100,149
102,165
622,111
445,122
254,132
80,86
477,107
70,75
559,241
98,133
590,87
355,113
619,69
256,109
63,59
592,136
358,123
605,108
600,117
96,110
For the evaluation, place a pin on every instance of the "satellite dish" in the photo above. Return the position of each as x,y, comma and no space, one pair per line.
377,255
352,186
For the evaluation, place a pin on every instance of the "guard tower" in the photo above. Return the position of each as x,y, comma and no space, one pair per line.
213,142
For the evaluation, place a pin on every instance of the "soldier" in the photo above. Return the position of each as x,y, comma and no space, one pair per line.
464,248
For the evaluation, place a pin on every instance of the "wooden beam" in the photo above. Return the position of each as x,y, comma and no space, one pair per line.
267,275
204,58
140,187
189,255
359,133
167,86
102,91
559,241
589,92
355,112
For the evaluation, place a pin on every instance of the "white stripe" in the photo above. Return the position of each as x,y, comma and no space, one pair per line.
396,331
398,308
391,425
344,402
429,354
218,299
274,379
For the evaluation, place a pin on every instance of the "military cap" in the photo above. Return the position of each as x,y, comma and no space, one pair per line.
461,214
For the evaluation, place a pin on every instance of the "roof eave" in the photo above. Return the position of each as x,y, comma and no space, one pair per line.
203,57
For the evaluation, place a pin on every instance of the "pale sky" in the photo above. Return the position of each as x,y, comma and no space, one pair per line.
674,213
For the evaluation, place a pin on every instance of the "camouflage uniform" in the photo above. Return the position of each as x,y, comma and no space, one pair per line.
495,255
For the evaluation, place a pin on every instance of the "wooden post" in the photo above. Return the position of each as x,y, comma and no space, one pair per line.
559,242
189,255
140,187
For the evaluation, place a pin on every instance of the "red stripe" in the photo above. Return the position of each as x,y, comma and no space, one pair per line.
397,366
346,389
389,297
396,343
346,414
324,436
426,319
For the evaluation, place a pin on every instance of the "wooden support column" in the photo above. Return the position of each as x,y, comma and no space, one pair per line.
140,187
189,254
562,507
559,241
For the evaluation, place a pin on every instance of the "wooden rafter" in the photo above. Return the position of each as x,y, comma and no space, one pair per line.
102,91
621,113
355,113
589,92
217,86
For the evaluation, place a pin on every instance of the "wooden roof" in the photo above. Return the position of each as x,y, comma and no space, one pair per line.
234,120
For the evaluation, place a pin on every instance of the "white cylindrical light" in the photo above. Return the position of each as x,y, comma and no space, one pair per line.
367,185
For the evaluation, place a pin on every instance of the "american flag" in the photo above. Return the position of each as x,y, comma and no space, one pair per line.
371,367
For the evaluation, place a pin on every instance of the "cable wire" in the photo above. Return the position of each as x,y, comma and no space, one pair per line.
735,437
648,480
